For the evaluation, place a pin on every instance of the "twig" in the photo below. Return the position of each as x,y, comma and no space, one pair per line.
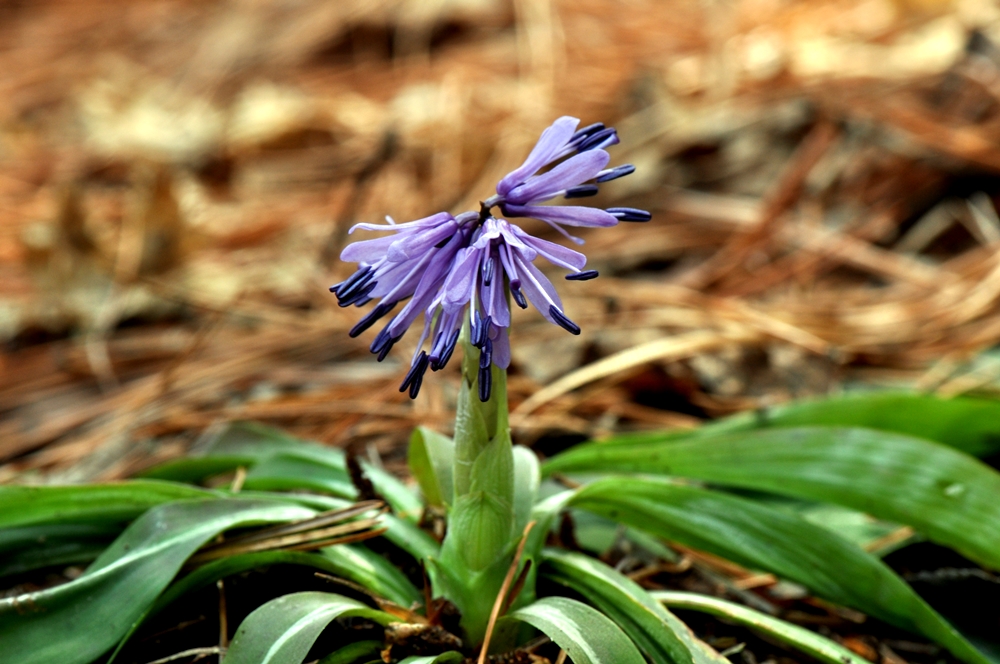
501,596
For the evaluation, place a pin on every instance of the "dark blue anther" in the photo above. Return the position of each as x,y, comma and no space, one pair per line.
369,320
582,276
357,295
414,377
489,267
518,297
449,349
486,355
562,321
583,191
599,139
485,384
344,287
388,346
615,173
363,302
482,332
582,134
629,214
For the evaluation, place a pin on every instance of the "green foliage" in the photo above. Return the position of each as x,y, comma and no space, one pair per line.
949,496
283,630
587,635
900,458
810,643
431,456
657,632
762,537
79,620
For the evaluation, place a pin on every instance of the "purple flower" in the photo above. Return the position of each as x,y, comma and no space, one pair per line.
520,191
458,268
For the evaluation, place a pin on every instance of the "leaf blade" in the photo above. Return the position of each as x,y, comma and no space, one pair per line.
283,630
948,495
583,632
801,639
760,537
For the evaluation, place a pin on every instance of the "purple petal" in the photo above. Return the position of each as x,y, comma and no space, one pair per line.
414,244
573,171
462,277
501,347
496,303
367,251
538,289
554,253
432,220
570,215
551,142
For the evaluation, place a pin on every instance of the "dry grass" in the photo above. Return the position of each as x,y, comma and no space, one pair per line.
177,178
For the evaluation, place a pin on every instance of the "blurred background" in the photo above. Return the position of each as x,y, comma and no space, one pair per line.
177,179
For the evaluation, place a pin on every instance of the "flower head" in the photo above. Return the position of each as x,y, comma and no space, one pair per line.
461,268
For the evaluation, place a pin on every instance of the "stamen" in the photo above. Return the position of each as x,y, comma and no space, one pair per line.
629,214
562,321
449,348
583,191
488,268
599,139
582,134
369,320
358,296
614,173
518,297
415,375
486,355
485,384
385,350
586,275
358,275
483,332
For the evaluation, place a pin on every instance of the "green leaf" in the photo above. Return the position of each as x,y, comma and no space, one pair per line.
527,477
431,457
584,633
96,503
799,638
35,547
79,620
290,471
450,657
350,654
971,425
482,521
283,630
657,632
286,463
951,497
370,570
761,537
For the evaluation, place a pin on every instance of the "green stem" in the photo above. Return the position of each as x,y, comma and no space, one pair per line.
479,545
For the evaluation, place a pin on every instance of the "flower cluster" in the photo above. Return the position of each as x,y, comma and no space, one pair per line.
457,268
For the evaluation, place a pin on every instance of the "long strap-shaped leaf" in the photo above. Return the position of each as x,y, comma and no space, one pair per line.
967,424
358,564
951,497
279,461
801,639
76,622
658,633
585,634
283,630
761,537
23,506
